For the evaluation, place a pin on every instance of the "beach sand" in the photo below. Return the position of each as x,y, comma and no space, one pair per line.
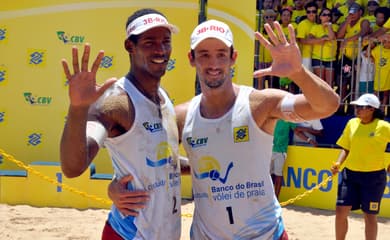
22,222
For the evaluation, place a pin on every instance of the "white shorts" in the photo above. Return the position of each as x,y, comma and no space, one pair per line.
277,163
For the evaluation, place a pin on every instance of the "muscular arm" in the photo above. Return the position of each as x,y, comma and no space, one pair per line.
76,151
318,99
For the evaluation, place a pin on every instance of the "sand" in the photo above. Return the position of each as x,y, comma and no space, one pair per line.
22,222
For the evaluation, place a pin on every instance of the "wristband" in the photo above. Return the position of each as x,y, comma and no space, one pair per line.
287,108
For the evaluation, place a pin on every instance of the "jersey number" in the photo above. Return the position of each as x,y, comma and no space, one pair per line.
230,214
174,210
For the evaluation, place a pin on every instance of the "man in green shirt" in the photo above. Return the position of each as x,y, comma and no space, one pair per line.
279,152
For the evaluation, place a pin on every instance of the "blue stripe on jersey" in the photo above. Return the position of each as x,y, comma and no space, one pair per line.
157,163
124,227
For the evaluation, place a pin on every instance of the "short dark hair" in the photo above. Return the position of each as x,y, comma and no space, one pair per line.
311,4
137,14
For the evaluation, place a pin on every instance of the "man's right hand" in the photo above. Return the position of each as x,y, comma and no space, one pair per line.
83,90
128,202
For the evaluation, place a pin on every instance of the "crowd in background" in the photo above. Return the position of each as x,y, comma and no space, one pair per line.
345,42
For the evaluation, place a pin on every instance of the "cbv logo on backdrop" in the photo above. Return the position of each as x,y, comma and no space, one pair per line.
70,39
36,100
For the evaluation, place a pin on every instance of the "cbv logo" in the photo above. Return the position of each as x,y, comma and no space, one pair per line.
73,39
36,100
152,127
197,142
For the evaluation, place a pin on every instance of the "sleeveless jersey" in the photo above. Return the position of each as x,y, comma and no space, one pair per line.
230,167
149,152
351,48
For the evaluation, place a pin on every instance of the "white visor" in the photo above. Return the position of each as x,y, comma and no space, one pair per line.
147,22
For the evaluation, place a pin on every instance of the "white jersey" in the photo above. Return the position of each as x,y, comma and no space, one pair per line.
149,152
230,163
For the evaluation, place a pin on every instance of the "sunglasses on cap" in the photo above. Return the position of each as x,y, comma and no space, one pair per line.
311,11
372,4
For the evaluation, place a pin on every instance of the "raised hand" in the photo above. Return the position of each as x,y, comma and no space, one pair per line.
83,90
285,54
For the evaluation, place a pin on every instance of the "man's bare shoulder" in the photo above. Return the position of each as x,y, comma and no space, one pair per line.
265,97
264,106
115,110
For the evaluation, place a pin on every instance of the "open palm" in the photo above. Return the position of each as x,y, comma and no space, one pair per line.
83,90
286,56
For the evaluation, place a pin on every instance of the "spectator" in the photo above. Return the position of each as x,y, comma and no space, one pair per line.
303,31
363,179
285,20
336,14
344,8
382,14
381,57
372,6
299,12
385,28
353,28
279,152
323,4
323,38
367,73
306,133
265,56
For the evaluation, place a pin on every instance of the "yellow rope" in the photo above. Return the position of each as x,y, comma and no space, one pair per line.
108,202
300,196
54,181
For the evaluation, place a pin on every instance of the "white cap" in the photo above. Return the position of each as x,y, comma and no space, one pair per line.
212,29
367,99
354,8
149,21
